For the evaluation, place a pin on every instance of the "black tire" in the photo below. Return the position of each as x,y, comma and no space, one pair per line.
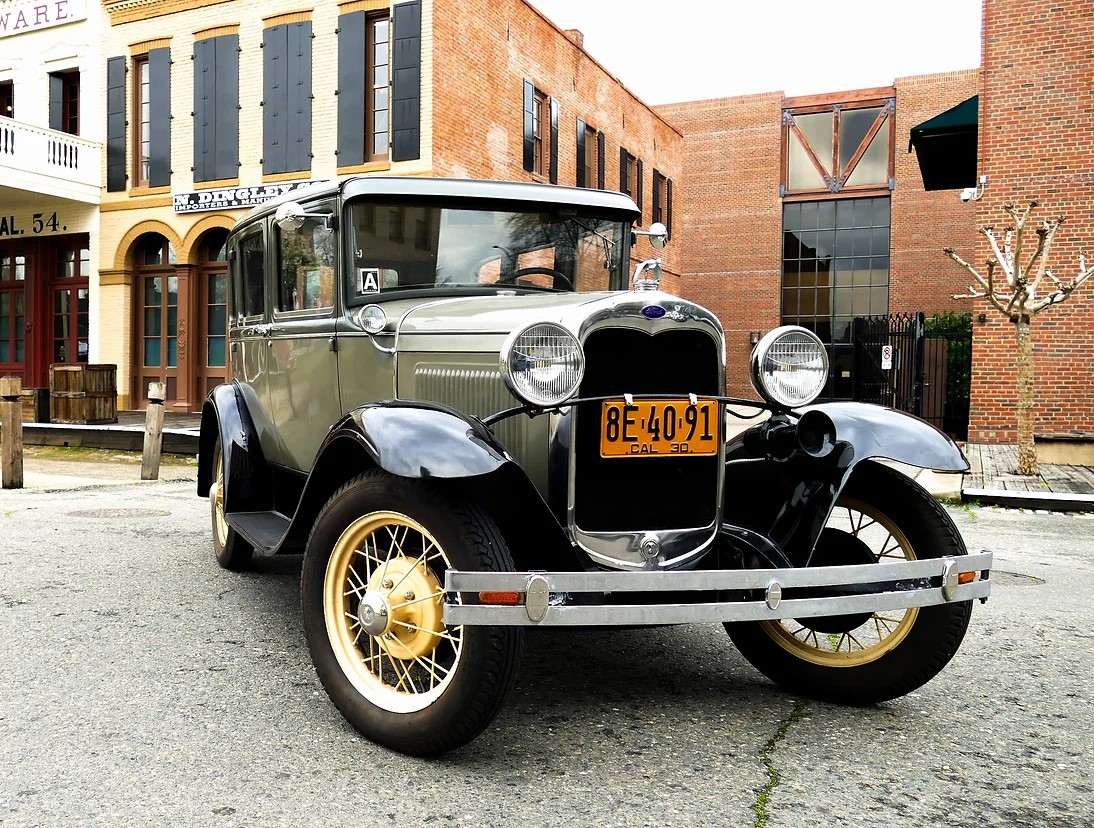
230,550
441,688
907,653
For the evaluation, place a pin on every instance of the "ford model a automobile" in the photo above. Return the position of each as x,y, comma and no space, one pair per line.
457,400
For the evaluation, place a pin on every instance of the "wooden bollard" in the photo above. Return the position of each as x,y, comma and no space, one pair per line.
153,432
11,440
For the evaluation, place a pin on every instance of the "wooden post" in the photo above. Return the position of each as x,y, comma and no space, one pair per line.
11,441
153,432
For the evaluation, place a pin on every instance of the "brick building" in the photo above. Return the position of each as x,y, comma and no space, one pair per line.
214,106
1036,119
809,210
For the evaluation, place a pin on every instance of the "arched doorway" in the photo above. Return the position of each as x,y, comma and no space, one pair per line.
212,340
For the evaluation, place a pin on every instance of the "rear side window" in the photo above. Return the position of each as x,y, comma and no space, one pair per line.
252,269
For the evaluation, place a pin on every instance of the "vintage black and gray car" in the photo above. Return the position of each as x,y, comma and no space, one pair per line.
471,416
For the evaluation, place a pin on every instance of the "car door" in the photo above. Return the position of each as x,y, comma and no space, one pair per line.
302,368
249,329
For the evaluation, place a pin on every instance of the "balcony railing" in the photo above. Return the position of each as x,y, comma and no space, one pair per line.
49,162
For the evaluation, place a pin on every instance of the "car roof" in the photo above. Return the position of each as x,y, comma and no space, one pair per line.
450,188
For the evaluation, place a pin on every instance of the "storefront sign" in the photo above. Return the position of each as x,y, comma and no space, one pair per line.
30,17
233,198
32,224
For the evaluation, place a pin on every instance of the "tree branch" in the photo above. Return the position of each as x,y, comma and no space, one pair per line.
989,233
949,251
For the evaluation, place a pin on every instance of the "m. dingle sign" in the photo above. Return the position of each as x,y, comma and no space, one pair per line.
233,198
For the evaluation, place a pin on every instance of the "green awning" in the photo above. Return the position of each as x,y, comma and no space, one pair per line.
945,147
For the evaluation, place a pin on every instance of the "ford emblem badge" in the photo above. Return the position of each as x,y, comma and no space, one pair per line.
653,311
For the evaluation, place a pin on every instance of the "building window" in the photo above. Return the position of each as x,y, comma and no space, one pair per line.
13,274
377,104
70,305
836,148
216,108
142,121
64,102
594,158
835,264
536,114
630,176
662,200
7,99
286,106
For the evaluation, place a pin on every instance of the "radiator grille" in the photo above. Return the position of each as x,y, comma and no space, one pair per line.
642,493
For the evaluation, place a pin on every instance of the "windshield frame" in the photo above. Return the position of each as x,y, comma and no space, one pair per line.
618,252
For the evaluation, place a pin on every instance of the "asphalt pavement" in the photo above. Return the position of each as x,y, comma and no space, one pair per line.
141,685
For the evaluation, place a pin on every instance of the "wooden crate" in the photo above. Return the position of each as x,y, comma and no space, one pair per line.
83,394
35,405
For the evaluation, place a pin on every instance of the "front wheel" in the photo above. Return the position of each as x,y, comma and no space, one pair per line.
230,550
881,517
372,589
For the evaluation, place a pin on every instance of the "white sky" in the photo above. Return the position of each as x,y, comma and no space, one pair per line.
690,50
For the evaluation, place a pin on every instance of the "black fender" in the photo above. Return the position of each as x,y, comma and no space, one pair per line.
247,482
785,488
431,441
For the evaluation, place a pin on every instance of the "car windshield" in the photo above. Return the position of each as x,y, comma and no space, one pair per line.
405,246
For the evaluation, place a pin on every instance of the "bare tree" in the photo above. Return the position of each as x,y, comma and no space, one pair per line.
1011,284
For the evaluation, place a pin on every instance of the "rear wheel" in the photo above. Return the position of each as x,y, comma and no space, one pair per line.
231,551
372,588
882,517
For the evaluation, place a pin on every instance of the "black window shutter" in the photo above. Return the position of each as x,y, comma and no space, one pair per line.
554,141
580,153
638,174
529,125
655,214
204,78
299,74
668,207
56,102
275,99
352,31
623,182
159,117
600,160
227,106
406,78
115,124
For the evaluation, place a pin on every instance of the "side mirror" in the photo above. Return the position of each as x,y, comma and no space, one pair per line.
290,216
658,235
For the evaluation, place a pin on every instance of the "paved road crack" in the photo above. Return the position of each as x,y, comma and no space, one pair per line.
767,755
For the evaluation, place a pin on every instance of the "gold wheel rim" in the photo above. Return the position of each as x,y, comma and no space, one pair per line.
220,523
383,604
883,630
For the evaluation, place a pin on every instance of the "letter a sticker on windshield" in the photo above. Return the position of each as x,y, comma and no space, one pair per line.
368,280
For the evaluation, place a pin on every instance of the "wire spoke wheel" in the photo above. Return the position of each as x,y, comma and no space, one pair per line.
870,635
383,601
231,551
373,599
882,517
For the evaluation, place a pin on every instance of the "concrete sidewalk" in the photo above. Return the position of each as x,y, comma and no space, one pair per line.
48,468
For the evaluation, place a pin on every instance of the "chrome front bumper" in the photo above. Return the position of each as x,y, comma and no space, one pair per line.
541,597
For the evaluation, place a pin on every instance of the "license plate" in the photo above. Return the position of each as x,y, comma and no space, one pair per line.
659,428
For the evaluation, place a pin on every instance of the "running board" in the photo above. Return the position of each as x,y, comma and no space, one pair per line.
262,530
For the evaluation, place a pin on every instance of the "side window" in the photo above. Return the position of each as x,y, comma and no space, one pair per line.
252,275
306,266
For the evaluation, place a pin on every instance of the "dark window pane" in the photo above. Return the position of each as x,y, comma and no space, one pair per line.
152,353
844,244
853,126
845,213
826,215
841,330
791,246
790,302
215,354
879,244
809,215
792,217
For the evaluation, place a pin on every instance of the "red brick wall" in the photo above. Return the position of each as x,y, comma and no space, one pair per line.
729,217
1036,122
921,278
478,117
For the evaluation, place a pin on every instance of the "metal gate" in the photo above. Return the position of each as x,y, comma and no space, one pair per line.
920,366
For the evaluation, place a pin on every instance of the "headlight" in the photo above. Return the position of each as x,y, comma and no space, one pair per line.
542,364
789,366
